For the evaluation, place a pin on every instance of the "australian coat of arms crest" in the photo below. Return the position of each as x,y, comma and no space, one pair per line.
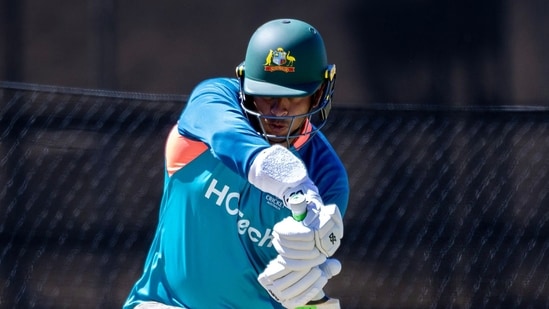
279,60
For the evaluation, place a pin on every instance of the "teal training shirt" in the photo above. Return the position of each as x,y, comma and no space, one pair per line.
214,232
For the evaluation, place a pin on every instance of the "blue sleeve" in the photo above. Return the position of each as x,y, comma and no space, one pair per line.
213,115
327,171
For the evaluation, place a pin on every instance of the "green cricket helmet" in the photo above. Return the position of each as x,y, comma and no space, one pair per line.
287,58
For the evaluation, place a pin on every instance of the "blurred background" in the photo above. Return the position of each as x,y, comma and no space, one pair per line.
400,51
441,118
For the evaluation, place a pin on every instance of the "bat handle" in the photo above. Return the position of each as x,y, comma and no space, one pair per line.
298,206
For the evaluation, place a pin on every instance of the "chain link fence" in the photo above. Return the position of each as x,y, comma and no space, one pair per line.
449,205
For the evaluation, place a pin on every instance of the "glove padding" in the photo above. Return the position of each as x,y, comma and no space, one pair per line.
276,169
303,259
322,228
328,229
294,288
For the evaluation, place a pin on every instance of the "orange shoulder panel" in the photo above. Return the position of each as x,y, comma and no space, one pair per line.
181,150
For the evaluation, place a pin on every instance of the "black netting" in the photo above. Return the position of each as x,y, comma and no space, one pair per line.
449,206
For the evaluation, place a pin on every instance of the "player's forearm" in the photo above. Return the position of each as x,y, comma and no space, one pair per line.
216,119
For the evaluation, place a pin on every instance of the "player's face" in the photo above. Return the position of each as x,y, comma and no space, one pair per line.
282,107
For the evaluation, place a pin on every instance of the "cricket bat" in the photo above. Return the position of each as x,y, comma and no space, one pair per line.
298,206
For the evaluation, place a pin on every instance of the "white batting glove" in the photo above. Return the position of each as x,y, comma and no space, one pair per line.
294,240
328,229
294,288
297,240
277,171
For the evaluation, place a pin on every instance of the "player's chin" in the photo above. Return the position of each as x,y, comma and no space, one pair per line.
278,140
282,141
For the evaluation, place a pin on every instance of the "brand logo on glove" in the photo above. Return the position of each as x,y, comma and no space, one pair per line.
333,238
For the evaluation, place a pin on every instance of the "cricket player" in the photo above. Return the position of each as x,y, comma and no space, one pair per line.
241,149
